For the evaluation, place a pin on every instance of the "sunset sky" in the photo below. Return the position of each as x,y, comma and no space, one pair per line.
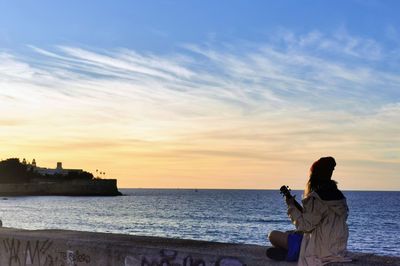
204,94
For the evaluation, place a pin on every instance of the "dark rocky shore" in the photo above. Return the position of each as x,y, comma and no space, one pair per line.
95,187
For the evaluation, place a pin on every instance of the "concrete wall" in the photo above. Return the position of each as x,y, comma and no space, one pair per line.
72,248
97,187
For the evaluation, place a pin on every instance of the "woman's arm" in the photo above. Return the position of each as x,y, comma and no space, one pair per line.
313,211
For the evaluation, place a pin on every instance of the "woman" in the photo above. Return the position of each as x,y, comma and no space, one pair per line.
321,229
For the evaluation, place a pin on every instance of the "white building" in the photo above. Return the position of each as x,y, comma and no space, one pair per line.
52,171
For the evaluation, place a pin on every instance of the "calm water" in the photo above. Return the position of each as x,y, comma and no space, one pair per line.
237,216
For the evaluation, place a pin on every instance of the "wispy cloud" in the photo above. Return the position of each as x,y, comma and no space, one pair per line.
293,97
10,122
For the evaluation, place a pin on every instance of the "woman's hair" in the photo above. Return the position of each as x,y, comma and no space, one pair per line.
320,174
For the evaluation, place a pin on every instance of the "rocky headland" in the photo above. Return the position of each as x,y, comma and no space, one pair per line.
27,179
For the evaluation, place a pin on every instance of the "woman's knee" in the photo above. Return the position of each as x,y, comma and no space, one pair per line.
278,238
273,235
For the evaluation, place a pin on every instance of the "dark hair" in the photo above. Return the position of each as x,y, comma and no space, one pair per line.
320,174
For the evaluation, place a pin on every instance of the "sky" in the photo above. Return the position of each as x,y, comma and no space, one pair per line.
204,94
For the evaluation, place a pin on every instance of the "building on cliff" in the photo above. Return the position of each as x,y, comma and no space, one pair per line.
59,170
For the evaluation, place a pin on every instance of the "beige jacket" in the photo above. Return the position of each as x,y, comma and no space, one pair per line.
325,230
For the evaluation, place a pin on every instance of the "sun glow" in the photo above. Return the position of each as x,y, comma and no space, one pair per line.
171,121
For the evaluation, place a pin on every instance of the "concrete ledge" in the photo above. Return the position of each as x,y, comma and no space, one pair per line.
60,247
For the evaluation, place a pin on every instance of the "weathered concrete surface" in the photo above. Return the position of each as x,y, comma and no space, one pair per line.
59,247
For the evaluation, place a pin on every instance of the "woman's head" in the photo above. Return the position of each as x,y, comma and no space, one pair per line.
320,174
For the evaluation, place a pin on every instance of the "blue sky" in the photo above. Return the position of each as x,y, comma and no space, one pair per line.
225,94
162,25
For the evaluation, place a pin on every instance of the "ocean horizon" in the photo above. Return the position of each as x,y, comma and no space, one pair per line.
298,191
221,215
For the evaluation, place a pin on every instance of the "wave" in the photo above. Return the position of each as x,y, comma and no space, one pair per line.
260,220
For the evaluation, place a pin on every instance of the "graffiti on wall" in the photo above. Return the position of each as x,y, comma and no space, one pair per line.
39,253
16,252
172,258
74,257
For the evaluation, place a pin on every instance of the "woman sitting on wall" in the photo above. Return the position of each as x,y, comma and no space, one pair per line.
321,230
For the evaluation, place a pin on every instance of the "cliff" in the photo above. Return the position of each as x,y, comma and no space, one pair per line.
94,187
27,179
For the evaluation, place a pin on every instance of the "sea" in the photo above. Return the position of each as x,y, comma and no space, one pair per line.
233,216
